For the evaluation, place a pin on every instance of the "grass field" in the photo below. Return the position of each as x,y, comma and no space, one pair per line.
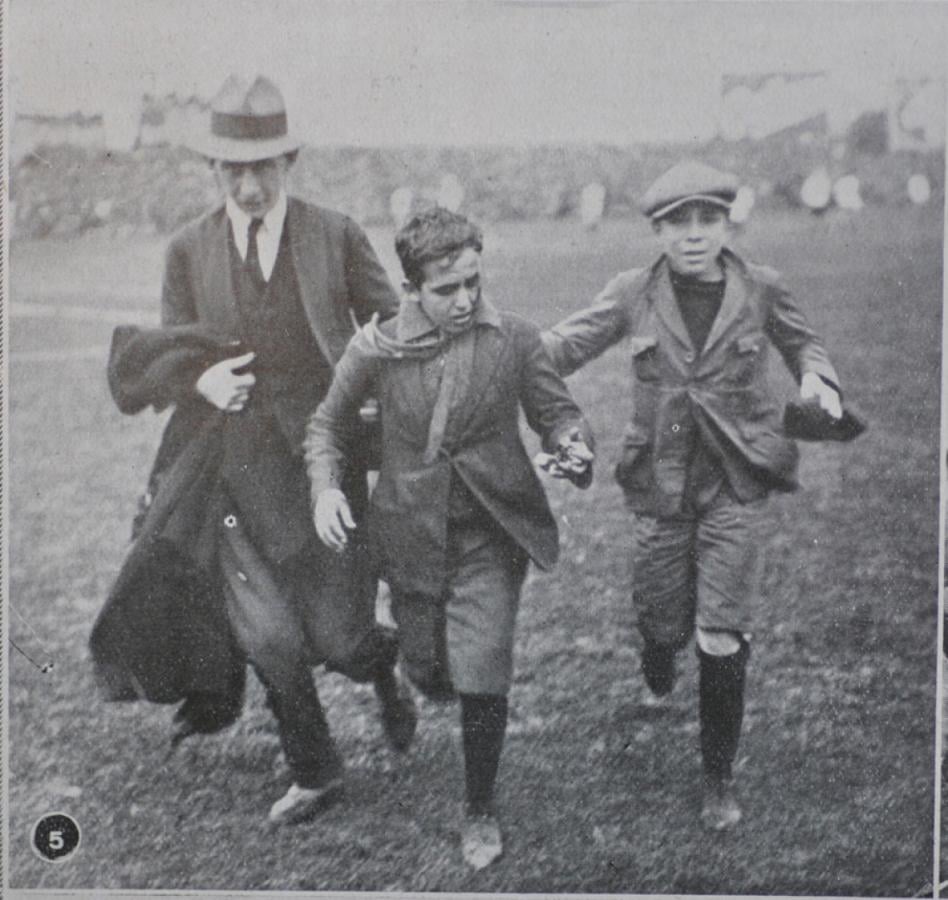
836,766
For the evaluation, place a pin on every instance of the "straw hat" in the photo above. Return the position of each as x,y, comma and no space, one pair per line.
248,122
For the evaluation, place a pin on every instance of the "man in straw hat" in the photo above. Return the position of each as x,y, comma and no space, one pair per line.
279,281
706,444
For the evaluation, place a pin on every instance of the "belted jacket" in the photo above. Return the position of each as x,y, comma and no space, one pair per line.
719,395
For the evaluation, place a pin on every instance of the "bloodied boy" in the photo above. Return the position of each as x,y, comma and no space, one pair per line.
458,510
705,445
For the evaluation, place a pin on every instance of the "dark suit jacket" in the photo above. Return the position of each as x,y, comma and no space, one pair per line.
722,391
408,512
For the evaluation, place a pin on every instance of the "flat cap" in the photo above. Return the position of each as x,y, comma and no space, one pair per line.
687,182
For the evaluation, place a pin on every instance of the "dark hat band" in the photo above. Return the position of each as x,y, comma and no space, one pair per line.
248,128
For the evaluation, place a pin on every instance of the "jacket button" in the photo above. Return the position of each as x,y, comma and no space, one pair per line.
689,358
230,521
676,428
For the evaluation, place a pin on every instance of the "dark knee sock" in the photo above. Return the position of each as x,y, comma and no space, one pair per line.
483,724
721,708
658,667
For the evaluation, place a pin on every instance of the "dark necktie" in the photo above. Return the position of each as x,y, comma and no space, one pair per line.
253,256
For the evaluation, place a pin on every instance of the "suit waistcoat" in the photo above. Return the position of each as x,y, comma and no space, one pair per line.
262,467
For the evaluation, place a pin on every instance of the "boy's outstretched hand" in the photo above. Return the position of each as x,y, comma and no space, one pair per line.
333,518
573,460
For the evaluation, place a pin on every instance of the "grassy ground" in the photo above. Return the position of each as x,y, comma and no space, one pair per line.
836,766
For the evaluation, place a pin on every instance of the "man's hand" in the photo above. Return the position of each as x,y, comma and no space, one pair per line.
813,387
223,387
572,460
332,517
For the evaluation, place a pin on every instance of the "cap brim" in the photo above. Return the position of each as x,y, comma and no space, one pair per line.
233,150
714,199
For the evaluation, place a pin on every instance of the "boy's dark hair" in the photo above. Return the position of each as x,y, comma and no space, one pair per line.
432,234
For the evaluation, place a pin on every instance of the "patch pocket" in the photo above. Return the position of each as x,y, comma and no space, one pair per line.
644,357
746,357
632,470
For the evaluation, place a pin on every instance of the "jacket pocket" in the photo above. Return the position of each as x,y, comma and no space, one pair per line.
745,357
644,357
633,471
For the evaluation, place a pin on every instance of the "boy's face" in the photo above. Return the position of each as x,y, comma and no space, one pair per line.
692,237
450,290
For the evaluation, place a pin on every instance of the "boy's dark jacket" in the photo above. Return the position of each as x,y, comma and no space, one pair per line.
408,511
722,391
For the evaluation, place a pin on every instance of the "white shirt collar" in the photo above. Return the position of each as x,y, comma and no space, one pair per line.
268,237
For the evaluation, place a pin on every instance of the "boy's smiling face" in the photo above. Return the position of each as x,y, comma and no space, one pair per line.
450,290
692,236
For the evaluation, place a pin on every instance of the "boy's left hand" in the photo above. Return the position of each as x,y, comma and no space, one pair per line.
573,459
812,387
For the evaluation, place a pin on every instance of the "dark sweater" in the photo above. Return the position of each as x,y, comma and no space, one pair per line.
699,303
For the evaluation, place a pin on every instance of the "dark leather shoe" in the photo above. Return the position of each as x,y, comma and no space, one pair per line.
399,715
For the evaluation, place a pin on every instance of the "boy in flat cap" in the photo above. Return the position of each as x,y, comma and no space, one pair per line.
256,309
458,510
705,446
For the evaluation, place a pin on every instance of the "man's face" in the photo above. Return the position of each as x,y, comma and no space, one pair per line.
692,237
450,290
253,186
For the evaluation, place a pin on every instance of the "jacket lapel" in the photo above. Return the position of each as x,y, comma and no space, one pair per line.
217,276
309,261
662,295
488,353
411,395
735,297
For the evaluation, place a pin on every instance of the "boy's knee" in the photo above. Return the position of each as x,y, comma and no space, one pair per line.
716,642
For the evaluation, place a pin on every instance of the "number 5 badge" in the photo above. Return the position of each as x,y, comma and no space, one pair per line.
55,837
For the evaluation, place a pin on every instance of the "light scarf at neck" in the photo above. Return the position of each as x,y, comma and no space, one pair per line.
376,343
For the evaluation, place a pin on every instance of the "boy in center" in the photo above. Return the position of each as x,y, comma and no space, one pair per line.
458,510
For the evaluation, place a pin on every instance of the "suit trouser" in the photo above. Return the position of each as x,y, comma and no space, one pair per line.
270,630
